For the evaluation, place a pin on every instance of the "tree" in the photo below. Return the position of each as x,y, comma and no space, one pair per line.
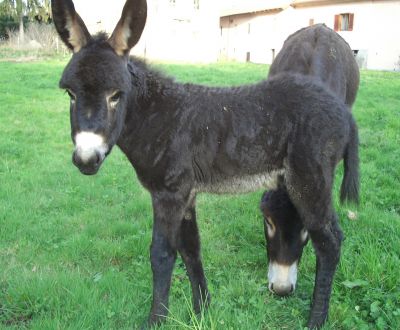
25,8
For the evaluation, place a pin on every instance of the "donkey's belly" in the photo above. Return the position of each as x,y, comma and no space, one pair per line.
242,184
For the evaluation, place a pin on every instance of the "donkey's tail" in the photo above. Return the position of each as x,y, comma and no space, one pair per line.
349,190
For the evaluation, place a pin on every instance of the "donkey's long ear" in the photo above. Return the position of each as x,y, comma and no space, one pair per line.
69,25
130,27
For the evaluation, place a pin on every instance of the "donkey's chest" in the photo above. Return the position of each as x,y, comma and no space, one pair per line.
242,184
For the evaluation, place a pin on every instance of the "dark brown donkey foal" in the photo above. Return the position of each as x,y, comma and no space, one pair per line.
322,54
183,139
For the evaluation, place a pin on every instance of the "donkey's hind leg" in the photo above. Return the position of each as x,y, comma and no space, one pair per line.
189,249
310,191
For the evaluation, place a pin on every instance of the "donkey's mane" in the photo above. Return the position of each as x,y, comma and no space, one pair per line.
100,36
149,80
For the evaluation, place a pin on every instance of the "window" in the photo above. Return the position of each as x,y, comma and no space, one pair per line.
311,22
344,22
248,57
196,4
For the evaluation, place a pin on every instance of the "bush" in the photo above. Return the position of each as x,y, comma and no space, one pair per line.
39,38
7,23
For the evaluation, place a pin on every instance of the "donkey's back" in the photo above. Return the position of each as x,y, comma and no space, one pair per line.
320,52
240,138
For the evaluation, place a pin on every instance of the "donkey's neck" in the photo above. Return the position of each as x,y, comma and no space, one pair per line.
152,107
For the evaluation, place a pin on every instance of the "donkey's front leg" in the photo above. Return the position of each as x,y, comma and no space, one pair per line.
189,249
326,242
168,211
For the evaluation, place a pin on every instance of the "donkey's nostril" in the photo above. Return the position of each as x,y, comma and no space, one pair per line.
87,163
97,158
282,289
75,159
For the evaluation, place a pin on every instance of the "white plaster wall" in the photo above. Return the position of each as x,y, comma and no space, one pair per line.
375,31
176,33
99,15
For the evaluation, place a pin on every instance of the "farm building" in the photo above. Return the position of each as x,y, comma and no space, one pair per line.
254,30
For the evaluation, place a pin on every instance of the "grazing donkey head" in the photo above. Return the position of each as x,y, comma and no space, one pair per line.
286,238
97,79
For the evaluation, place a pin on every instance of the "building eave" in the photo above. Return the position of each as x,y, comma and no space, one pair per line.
256,7
276,6
311,3
261,11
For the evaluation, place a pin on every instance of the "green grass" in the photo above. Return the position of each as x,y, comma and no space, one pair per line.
74,250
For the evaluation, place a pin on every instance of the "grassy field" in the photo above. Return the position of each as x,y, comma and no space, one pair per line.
74,250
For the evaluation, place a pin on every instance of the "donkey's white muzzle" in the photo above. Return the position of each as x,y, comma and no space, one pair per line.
90,151
282,278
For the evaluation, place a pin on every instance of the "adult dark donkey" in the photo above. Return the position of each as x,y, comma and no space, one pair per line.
319,52
183,139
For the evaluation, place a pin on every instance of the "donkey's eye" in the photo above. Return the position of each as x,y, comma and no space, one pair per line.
270,227
304,235
71,95
114,99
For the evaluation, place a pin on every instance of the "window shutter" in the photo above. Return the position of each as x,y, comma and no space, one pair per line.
336,26
351,20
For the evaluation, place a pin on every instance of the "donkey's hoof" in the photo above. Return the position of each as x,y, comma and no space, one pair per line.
316,324
202,304
153,321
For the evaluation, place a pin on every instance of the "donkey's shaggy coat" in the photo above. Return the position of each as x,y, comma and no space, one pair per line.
183,139
319,52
